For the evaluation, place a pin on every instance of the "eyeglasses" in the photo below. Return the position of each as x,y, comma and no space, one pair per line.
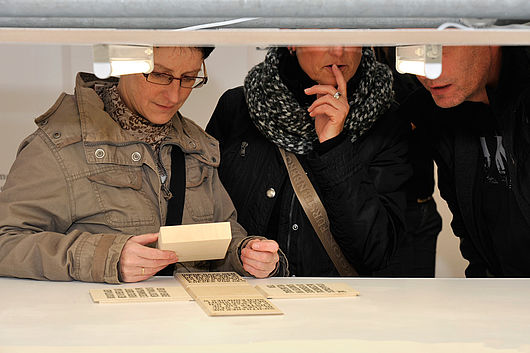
160,78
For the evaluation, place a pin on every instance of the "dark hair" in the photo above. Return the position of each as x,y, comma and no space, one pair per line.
206,51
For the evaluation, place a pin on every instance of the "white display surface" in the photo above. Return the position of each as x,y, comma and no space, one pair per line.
390,315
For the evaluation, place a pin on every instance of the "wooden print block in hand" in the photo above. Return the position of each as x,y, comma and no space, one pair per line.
196,242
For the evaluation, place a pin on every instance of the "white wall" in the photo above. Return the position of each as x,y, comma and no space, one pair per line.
33,76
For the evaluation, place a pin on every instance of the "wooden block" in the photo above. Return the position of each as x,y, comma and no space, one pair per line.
140,294
307,290
196,242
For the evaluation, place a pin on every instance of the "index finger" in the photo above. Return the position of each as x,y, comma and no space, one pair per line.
264,245
341,82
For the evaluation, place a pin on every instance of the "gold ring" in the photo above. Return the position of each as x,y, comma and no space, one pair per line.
143,271
337,95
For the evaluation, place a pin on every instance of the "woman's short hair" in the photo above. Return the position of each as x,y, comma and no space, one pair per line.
206,51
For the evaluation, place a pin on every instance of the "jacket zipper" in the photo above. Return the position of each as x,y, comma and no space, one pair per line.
293,198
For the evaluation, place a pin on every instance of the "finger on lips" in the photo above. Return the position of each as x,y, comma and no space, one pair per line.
339,77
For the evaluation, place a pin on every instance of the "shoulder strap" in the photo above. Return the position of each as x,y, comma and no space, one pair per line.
177,186
315,211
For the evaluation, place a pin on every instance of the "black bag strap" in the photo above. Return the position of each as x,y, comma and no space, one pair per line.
175,205
177,186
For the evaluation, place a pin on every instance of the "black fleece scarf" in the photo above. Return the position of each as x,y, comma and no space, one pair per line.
278,105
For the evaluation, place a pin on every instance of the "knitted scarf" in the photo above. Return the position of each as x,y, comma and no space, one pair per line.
284,121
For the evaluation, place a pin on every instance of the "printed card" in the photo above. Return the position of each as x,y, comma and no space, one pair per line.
210,278
238,305
307,290
135,295
226,294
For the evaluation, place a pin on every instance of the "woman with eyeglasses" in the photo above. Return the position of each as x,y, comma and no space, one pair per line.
106,168
330,109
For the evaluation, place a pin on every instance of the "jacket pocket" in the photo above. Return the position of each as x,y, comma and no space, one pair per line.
199,200
122,200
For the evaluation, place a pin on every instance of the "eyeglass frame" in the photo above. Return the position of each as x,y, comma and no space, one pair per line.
204,79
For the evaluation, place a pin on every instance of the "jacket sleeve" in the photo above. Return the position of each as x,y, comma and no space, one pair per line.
362,188
35,220
224,211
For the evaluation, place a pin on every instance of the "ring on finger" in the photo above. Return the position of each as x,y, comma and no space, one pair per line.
143,271
337,95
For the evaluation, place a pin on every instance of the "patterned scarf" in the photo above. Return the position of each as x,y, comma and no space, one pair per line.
138,126
284,121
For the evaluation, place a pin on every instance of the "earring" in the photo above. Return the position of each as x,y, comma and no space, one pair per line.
292,51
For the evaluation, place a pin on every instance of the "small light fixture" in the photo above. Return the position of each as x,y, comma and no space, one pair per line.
116,60
422,60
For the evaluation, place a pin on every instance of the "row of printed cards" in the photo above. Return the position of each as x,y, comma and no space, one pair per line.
224,293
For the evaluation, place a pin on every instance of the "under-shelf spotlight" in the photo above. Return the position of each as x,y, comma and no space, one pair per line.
422,60
116,60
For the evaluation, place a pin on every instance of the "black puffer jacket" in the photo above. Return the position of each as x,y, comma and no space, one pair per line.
454,135
360,185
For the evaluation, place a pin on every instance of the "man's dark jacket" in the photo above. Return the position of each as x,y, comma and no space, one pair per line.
360,185
454,136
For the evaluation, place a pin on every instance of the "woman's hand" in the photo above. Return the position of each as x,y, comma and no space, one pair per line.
259,257
329,112
139,262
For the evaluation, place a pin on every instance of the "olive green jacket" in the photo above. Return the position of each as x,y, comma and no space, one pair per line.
81,186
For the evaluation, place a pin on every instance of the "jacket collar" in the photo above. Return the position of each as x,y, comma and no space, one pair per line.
97,127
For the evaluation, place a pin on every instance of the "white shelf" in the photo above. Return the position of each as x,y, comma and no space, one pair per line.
265,37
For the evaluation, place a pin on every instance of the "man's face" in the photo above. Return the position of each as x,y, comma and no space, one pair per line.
159,103
465,73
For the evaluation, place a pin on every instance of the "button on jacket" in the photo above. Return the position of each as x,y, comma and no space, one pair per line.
81,186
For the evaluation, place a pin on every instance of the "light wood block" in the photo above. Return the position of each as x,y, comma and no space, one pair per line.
196,242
